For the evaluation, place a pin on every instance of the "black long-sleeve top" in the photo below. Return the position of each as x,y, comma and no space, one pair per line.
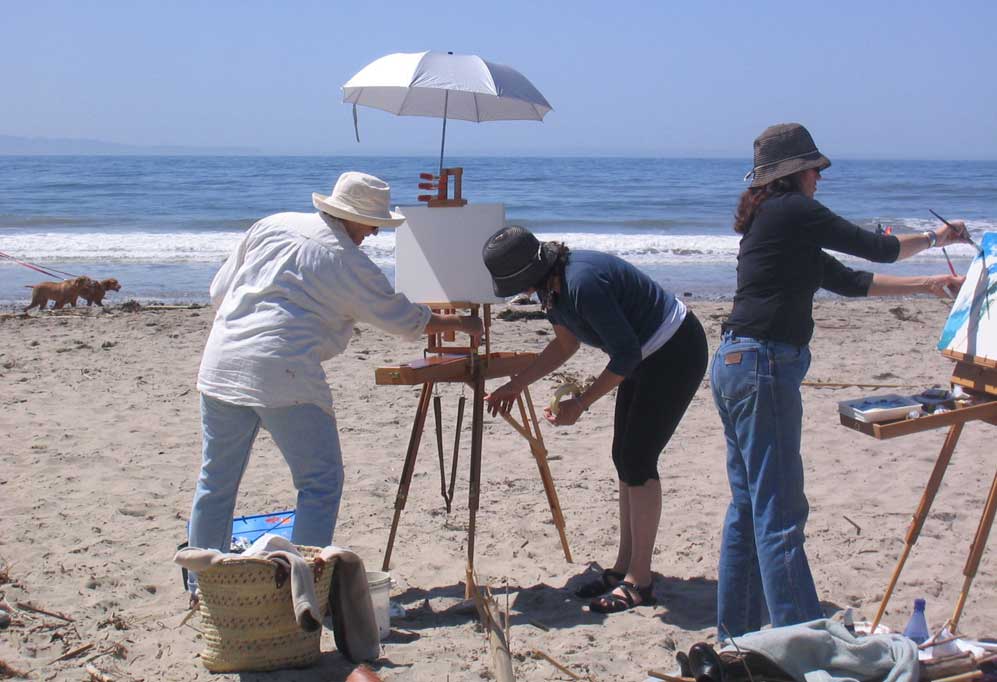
781,264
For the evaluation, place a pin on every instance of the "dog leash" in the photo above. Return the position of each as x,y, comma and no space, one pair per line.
50,273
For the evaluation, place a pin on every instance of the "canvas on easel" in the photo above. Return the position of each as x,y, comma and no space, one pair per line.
971,330
438,253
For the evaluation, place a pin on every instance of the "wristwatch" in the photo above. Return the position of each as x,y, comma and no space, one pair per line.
932,238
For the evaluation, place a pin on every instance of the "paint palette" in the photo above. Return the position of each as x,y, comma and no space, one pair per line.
879,408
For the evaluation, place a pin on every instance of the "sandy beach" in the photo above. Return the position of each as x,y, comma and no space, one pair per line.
100,445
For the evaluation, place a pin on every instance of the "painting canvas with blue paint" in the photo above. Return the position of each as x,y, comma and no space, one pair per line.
972,326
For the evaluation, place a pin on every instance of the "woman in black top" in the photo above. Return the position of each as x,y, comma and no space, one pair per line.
763,358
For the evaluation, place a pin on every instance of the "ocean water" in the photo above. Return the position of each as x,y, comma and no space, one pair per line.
163,225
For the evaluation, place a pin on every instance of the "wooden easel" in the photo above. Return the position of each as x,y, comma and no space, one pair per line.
441,183
978,376
464,364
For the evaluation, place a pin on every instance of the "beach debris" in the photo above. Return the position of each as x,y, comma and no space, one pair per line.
536,653
658,675
96,675
115,649
131,306
115,621
498,636
7,671
28,606
509,315
73,653
953,666
903,315
848,384
858,528
163,306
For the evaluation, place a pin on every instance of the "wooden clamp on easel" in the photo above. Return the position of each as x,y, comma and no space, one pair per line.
464,364
978,376
441,183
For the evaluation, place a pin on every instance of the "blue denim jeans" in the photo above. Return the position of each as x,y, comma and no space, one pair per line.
309,441
756,387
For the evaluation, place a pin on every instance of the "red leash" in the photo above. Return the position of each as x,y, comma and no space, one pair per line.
36,268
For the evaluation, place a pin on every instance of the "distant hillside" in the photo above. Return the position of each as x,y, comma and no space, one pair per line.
11,145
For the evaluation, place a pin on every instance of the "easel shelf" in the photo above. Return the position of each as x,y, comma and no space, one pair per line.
884,430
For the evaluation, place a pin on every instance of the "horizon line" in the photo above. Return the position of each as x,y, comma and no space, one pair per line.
590,155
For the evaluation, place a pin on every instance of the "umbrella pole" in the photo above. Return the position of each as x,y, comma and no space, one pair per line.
446,98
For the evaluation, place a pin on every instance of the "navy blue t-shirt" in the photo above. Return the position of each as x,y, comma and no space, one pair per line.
608,303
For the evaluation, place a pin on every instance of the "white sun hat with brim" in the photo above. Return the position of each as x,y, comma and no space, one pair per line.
361,198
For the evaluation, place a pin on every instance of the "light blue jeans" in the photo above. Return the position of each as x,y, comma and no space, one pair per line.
756,387
309,441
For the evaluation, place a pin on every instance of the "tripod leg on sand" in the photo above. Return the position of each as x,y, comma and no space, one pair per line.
407,470
539,451
474,492
976,552
927,498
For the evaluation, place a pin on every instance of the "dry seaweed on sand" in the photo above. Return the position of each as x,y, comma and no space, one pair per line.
510,315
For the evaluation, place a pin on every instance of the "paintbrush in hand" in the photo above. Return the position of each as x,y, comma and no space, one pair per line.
964,232
983,255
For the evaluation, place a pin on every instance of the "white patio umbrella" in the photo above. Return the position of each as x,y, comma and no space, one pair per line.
445,85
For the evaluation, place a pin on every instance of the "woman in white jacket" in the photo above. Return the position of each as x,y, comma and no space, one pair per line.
286,300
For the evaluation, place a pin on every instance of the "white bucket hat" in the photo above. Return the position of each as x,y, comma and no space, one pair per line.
361,198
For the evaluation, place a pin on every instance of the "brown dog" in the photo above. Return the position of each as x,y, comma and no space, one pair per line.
60,293
93,291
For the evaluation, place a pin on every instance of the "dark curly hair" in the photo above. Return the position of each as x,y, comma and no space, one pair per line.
753,197
545,290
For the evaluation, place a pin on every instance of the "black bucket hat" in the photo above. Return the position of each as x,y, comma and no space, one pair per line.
517,260
782,150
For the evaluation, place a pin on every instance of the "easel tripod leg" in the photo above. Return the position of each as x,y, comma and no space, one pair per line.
409,468
474,490
917,522
976,552
539,451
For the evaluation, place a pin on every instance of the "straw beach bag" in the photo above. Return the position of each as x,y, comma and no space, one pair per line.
247,615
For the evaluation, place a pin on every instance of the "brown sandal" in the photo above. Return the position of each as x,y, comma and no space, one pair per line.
607,580
614,603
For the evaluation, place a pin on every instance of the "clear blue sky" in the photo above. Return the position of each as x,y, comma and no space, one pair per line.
870,79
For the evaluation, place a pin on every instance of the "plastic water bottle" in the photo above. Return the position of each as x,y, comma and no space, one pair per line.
917,626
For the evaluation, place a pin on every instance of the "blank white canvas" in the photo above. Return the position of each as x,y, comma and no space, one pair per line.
438,253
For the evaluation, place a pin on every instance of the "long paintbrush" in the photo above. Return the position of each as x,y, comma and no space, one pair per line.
969,238
964,232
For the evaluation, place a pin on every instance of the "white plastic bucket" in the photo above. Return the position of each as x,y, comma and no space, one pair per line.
380,585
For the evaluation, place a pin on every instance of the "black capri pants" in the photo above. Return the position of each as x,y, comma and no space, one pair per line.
651,401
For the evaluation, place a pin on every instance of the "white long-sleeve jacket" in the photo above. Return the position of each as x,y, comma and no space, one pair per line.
286,300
